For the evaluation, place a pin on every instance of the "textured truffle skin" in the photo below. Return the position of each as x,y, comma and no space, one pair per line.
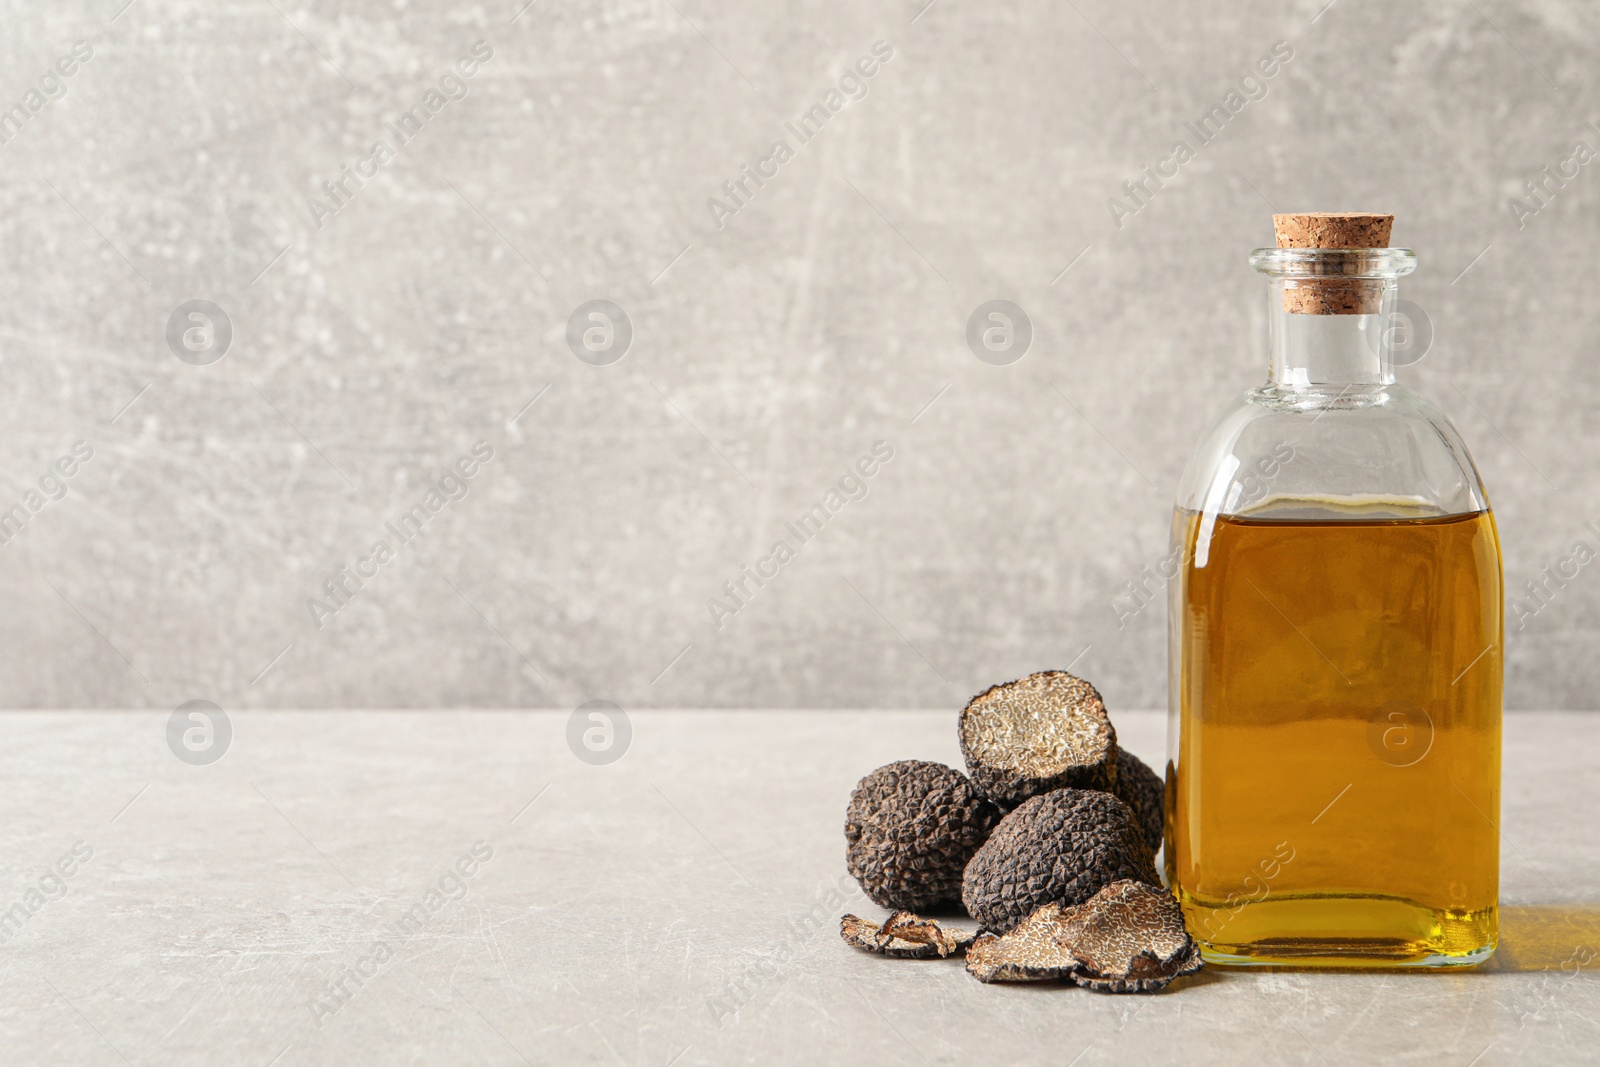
910,829
1037,734
1063,847
1142,790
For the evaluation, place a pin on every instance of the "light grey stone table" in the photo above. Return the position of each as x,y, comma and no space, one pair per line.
678,906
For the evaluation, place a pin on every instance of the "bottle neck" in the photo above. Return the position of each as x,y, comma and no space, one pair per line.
1320,350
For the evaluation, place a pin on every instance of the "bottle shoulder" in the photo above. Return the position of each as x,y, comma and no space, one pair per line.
1369,451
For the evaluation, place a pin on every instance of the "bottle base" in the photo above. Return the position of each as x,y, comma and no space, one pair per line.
1345,955
1342,931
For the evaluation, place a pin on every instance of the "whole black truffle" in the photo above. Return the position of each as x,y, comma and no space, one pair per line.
911,828
1139,788
1060,848
1040,733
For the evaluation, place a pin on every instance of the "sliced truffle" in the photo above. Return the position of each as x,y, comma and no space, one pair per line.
1063,848
1044,732
910,830
1031,952
1128,938
1139,788
905,936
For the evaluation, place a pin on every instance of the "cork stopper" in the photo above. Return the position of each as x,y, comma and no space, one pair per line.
1332,229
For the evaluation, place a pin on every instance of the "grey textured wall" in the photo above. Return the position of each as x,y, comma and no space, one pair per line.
379,334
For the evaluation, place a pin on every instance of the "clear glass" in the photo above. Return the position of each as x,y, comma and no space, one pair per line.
1335,636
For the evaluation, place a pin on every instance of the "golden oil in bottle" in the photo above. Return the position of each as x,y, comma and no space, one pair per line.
1340,695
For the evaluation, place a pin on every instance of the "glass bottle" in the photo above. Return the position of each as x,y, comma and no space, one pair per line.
1335,640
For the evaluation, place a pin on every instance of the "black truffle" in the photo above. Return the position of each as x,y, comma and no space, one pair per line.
1044,732
905,936
1139,788
1031,952
1062,848
1130,938
1127,938
910,829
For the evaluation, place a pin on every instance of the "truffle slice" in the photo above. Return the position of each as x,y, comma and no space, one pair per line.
1063,847
1044,732
905,936
1031,952
1139,788
910,829
1128,938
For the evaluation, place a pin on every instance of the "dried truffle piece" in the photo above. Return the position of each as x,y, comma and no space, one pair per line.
1043,732
1140,788
949,941
1031,952
1128,938
910,829
905,936
1063,847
